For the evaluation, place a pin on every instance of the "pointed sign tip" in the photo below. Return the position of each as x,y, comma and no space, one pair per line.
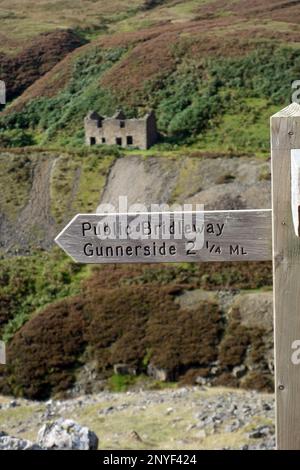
292,110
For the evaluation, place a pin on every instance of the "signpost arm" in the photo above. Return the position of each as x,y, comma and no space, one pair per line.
285,136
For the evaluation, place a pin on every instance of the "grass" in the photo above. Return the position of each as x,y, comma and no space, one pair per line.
23,19
154,428
187,182
168,11
244,130
76,180
15,183
77,183
120,383
13,417
157,428
31,283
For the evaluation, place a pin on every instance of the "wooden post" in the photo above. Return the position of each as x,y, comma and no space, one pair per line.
285,136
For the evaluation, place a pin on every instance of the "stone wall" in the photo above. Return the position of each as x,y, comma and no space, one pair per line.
152,134
140,133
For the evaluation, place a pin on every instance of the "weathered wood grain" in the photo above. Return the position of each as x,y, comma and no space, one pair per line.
285,136
228,236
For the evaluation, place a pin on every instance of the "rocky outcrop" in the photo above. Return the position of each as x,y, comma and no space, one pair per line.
256,309
256,314
124,369
63,434
158,373
68,435
218,183
13,443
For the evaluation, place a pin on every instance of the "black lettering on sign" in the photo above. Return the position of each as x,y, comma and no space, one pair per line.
237,250
221,236
190,250
213,248
120,251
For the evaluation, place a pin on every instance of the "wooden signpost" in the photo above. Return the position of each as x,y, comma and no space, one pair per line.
285,137
227,236
230,236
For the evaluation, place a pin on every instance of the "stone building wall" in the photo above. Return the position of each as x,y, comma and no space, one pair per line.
118,130
151,130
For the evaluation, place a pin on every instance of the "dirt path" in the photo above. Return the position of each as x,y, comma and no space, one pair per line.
36,216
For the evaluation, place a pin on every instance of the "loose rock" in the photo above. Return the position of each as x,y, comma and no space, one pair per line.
66,434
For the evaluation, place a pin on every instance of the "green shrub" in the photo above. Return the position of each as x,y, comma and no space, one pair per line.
60,118
120,383
203,98
16,138
28,283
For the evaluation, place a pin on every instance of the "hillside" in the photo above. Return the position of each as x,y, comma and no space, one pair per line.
214,72
21,70
204,67
42,190
81,320
22,20
123,316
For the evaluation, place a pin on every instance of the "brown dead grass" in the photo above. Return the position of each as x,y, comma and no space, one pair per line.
282,10
35,60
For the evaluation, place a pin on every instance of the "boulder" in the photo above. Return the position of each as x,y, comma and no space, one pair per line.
256,309
201,381
68,435
87,380
13,443
260,432
239,371
124,369
158,374
191,299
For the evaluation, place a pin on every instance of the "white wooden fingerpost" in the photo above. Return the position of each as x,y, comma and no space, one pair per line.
285,136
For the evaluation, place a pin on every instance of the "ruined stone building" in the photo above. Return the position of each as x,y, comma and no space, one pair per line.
117,130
